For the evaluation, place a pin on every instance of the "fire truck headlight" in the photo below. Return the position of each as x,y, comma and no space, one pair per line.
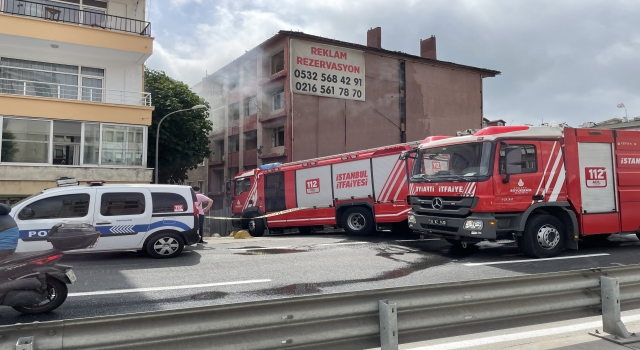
411,219
473,225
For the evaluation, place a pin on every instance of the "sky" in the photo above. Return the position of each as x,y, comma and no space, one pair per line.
567,61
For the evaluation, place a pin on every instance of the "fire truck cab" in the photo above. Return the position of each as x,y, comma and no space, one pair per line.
544,187
358,191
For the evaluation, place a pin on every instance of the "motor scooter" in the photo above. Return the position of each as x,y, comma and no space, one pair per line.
33,282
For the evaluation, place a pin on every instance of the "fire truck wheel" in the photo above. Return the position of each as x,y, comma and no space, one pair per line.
255,227
543,237
357,221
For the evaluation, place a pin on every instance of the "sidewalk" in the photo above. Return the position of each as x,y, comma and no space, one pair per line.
565,335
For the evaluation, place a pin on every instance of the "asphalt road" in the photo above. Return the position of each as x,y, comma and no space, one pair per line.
233,271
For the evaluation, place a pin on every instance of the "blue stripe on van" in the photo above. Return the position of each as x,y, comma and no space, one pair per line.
106,231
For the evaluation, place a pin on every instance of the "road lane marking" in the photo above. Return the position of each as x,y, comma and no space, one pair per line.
535,260
418,240
156,289
342,243
262,248
522,335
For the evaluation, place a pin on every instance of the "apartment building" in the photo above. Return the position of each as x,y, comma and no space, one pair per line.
299,96
72,100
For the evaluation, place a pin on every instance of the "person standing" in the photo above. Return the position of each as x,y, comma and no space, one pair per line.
201,198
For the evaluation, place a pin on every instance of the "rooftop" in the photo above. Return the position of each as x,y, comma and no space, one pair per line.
284,33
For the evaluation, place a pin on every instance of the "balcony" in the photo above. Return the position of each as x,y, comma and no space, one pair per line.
74,92
66,13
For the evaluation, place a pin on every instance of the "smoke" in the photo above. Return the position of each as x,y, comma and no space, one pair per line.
564,61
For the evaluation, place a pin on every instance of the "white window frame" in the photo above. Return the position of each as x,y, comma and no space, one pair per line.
144,145
274,136
82,133
273,99
78,73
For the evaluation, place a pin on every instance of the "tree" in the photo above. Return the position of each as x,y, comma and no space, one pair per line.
184,136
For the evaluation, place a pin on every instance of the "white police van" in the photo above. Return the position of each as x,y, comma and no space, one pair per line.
159,219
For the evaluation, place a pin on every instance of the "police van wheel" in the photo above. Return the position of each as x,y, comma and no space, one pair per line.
357,221
165,245
543,237
255,227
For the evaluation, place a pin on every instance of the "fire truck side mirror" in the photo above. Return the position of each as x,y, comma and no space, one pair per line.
513,160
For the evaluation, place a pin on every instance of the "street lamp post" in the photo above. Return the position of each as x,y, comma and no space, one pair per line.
158,133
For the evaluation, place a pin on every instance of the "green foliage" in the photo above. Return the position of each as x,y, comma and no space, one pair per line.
184,140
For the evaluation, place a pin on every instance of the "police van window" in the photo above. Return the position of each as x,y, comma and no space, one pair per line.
529,160
242,185
168,202
122,203
58,207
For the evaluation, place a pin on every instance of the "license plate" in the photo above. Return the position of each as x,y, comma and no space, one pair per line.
71,275
437,222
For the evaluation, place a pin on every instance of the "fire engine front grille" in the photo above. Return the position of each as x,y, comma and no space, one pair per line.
451,206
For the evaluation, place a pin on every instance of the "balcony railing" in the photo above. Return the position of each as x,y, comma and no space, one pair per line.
73,92
68,14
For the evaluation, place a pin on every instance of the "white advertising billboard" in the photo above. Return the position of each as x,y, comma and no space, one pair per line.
325,70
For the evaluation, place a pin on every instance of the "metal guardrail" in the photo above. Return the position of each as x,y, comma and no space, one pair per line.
354,320
73,92
69,14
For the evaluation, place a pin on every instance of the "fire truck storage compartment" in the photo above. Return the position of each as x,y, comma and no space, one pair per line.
352,179
389,178
628,166
313,187
274,192
597,186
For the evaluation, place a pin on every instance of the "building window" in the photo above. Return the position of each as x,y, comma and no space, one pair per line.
250,71
216,185
234,143
66,142
234,80
25,140
250,140
218,150
277,62
278,137
122,203
122,145
234,111
58,207
201,186
278,99
60,142
91,143
233,172
33,78
250,106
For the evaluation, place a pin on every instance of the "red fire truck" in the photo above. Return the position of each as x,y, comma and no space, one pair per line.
358,191
545,187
